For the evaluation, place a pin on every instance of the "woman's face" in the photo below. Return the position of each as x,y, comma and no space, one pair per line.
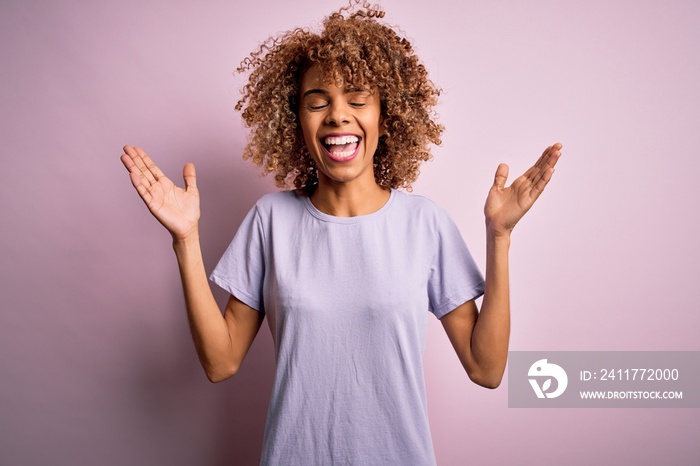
341,127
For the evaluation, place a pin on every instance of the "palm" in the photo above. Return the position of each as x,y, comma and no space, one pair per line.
174,207
505,206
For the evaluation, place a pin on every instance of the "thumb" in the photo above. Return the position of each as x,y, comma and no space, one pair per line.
190,176
499,180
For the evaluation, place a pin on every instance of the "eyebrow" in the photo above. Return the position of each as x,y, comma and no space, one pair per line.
354,90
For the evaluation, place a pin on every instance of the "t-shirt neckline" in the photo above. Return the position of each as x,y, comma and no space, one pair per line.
357,219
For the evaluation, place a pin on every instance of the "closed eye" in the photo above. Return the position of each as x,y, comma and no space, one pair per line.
316,103
358,98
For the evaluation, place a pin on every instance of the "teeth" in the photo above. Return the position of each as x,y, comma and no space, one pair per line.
342,155
340,140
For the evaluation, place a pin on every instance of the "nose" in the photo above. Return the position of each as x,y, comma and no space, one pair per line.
338,114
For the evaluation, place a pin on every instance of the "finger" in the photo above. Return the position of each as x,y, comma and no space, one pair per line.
547,154
141,164
137,165
541,158
150,165
553,153
140,188
130,152
190,176
501,176
541,184
126,160
531,172
135,173
547,169
544,173
547,160
539,171
554,156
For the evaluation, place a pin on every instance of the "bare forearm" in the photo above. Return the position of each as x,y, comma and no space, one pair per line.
209,329
489,342
481,338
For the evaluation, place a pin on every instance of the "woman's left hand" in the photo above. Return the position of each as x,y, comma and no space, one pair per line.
506,206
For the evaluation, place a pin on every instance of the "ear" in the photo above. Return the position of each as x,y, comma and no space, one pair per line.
383,129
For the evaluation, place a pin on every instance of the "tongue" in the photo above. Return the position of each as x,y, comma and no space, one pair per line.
343,147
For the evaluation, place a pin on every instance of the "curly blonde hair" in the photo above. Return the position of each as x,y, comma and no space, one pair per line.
356,48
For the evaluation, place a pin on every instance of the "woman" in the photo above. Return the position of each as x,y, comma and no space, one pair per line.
344,266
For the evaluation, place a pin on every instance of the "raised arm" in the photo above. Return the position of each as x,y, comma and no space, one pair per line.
222,341
481,338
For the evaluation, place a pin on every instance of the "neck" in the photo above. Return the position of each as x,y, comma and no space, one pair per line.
349,200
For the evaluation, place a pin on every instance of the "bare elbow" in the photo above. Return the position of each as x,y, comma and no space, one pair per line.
216,375
490,384
490,381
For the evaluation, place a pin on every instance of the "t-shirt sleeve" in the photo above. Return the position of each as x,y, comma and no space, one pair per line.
241,270
455,277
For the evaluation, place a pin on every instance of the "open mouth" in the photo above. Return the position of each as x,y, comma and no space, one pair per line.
341,147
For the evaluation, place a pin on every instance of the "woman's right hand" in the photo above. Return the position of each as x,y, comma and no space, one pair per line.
175,208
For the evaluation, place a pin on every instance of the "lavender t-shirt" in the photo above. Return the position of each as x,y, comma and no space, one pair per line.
347,301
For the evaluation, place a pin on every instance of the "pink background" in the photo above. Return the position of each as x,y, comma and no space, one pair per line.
96,363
